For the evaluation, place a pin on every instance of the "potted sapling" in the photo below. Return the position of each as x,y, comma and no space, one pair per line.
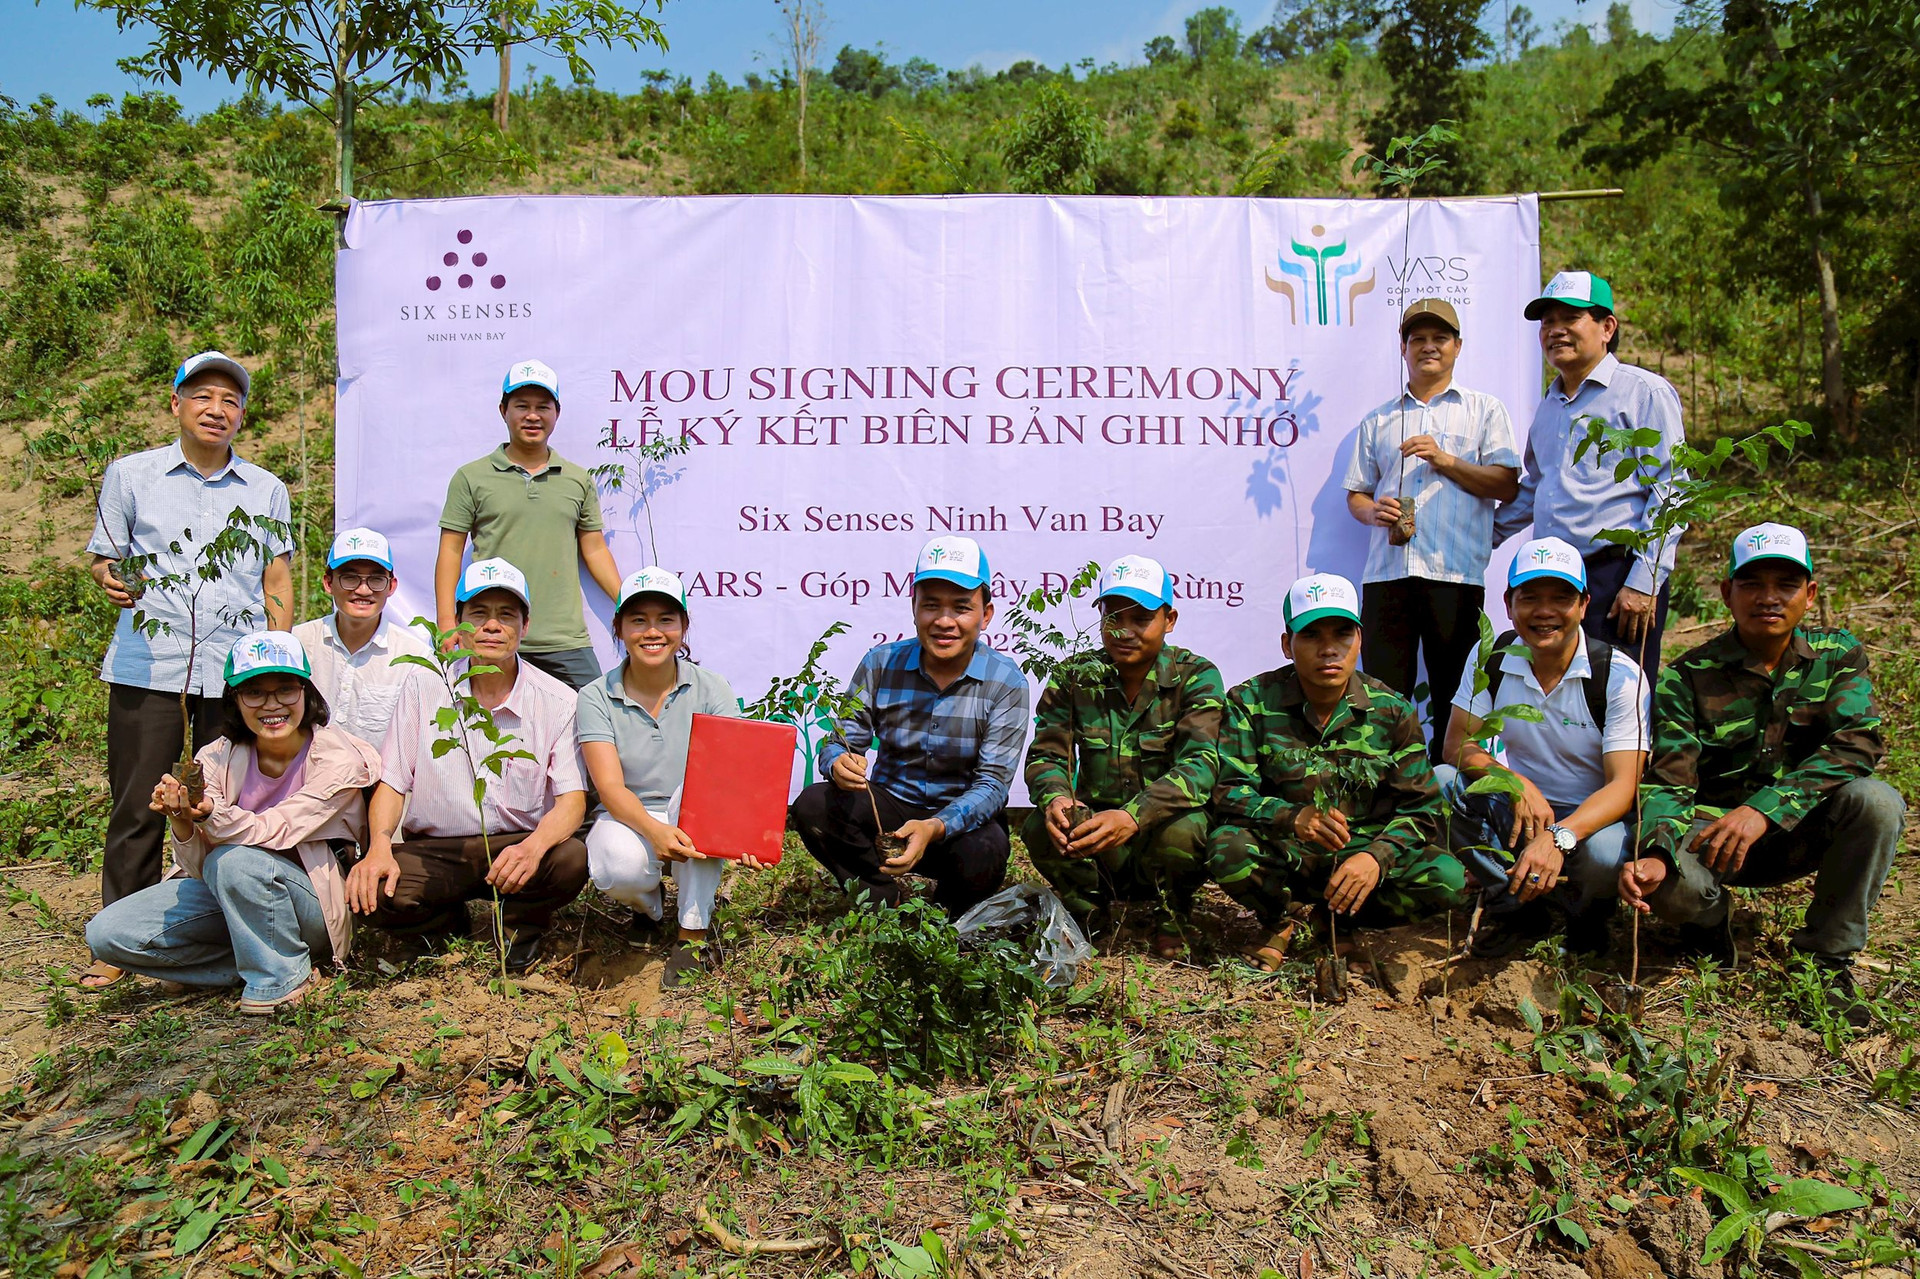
243,538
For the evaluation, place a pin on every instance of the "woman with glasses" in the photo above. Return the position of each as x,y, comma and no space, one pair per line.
635,723
256,899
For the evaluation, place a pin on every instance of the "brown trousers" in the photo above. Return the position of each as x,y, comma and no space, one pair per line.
438,876
143,743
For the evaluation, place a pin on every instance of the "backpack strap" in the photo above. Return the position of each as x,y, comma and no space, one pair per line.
1497,671
1600,658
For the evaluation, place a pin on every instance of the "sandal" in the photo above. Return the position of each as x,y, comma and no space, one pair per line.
292,999
1271,953
100,975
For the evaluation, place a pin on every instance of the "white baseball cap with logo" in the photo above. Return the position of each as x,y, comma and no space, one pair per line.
1136,578
360,544
264,653
952,559
1318,596
530,373
492,575
1548,557
652,580
213,362
1770,542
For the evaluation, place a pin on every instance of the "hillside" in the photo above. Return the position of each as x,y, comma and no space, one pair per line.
1171,1119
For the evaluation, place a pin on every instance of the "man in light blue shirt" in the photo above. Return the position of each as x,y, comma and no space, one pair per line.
158,511
1428,466
1575,499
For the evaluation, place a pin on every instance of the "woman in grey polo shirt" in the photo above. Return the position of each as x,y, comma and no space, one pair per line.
634,725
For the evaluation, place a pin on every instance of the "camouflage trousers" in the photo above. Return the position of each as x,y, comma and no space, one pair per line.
1267,874
1164,864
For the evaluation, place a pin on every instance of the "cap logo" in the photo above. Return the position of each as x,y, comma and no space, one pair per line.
1315,591
936,553
355,541
260,648
1541,554
1119,571
489,572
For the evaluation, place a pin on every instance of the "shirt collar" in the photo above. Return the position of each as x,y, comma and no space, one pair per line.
1453,390
1581,667
177,458
1294,693
1728,650
501,462
331,633
1602,375
683,678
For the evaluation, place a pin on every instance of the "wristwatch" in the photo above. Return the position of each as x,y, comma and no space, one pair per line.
1563,839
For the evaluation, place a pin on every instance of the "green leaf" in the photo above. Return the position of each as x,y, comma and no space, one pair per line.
1721,1238
1531,1015
770,1066
1809,1197
190,1148
276,1170
1731,1194
196,1231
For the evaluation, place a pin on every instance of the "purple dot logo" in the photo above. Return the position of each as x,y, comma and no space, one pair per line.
465,237
465,280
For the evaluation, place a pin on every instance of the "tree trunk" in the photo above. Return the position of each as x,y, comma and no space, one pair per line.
343,107
504,94
1833,376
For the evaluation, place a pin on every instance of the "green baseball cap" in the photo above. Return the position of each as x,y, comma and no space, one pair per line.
266,652
1573,288
1769,542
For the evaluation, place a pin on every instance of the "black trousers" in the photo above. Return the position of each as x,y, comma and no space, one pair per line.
837,828
1409,617
143,744
1606,574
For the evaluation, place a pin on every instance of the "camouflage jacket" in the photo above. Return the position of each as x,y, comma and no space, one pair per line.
1726,733
1157,758
1370,761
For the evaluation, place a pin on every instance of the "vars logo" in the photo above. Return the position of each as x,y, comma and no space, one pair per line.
1319,301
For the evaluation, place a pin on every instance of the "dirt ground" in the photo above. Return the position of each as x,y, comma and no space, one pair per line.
1293,1134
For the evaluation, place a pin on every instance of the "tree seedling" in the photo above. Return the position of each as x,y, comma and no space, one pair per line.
1064,658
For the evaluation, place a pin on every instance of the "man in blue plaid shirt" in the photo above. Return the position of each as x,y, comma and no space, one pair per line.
949,716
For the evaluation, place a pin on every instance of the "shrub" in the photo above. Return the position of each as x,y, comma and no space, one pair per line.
157,255
51,313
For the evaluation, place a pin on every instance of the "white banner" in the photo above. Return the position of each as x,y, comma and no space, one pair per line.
1065,379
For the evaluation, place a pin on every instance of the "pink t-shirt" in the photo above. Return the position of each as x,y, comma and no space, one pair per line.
259,792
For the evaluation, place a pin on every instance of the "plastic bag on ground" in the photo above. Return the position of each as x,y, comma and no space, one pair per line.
1058,946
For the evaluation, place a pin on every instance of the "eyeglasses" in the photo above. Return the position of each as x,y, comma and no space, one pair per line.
255,698
372,581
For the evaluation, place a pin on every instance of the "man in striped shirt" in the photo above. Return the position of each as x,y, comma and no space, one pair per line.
949,716
1427,468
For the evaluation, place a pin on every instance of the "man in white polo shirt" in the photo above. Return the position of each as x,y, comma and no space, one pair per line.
417,880
352,648
1567,721
1427,468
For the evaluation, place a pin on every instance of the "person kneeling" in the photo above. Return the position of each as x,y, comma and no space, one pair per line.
949,715
257,899
522,845
636,724
1325,788
1570,720
1766,739
1144,720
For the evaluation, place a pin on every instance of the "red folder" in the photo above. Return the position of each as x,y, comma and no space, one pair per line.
735,799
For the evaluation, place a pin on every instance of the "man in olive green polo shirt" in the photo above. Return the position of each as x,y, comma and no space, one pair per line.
526,504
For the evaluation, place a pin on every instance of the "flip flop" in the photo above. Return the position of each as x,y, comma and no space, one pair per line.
101,975
1271,953
292,999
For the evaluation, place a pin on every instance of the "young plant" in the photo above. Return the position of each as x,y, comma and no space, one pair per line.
1063,658
1749,1224
643,471
242,539
464,723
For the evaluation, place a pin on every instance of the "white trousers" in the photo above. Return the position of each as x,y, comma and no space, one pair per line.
625,868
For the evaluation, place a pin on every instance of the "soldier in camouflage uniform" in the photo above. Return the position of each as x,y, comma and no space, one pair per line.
1765,742
1325,789
1144,718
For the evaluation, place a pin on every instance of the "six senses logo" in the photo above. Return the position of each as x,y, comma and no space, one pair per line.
466,295
1323,285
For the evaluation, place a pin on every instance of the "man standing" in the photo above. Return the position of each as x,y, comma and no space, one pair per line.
1766,739
949,716
526,504
1134,734
1325,789
158,511
1568,722
1573,495
352,648
1427,468
418,880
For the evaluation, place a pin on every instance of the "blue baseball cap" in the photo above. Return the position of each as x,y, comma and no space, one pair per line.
1548,557
1136,578
360,544
213,362
530,373
493,575
952,559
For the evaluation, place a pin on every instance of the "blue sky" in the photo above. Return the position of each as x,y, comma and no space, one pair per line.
53,48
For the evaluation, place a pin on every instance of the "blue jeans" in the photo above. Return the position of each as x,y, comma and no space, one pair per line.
1480,824
251,920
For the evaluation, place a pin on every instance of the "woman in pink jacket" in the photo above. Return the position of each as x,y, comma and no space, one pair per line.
256,899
